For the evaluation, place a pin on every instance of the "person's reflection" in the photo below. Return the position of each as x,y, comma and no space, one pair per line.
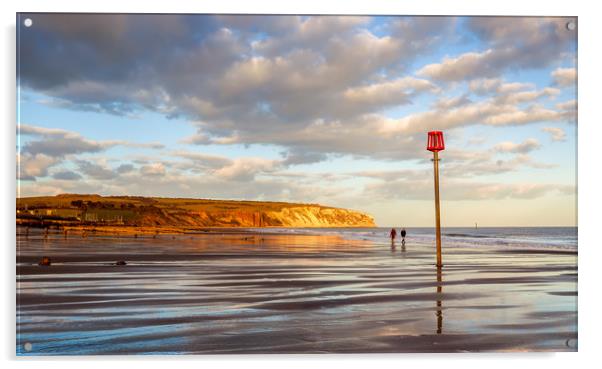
392,246
439,308
403,245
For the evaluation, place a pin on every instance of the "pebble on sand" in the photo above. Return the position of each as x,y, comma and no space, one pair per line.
121,262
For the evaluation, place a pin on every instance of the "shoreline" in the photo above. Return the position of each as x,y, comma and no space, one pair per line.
145,230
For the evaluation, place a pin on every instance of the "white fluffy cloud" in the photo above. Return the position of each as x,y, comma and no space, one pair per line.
30,166
58,142
245,169
528,145
565,76
45,147
154,169
490,112
556,133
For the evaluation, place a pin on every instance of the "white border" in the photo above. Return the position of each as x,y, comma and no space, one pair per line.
589,167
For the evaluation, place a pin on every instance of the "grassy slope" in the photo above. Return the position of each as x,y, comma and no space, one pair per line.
64,201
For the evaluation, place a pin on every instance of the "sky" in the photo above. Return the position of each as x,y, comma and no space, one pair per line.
332,110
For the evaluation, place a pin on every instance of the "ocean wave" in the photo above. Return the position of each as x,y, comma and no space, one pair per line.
466,235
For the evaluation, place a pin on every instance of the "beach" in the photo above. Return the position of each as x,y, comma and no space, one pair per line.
286,291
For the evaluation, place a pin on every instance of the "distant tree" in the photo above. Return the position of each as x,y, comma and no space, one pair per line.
94,204
77,203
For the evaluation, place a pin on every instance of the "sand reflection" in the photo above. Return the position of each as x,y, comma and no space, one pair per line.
264,292
439,299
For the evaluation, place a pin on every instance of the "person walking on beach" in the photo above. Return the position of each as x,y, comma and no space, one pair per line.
403,235
393,234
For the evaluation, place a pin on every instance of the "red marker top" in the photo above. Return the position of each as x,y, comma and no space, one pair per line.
435,141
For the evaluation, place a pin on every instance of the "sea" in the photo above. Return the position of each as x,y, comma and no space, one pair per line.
548,238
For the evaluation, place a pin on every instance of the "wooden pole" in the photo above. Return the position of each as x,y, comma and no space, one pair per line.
437,210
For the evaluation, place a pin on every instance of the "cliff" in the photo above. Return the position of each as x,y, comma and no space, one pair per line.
184,213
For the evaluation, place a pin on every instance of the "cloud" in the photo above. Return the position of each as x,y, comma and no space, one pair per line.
458,190
528,145
528,96
492,166
201,186
67,175
569,110
212,63
245,169
489,112
462,164
557,134
100,46
26,129
298,33
452,102
565,76
30,166
479,140
96,171
199,138
512,43
384,94
125,168
317,85
253,79
58,142
459,68
302,157
503,93
388,175
61,146
141,145
202,160
155,169
91,96
52,146
570,105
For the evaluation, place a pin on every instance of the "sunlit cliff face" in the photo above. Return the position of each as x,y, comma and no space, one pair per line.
161,212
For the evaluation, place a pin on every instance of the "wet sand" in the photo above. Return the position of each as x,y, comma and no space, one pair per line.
224,293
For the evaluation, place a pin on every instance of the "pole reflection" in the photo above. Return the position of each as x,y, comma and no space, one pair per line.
439,298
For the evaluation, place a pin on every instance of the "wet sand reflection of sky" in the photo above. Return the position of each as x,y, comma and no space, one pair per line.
274,293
